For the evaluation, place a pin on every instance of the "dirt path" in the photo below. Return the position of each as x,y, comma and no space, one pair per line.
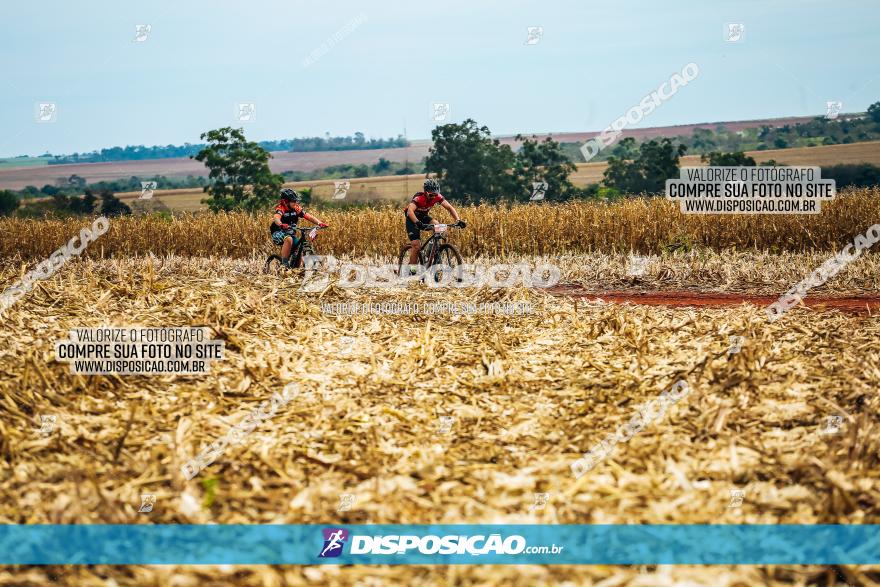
853,304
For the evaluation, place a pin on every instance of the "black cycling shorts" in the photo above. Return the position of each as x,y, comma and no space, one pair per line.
412,230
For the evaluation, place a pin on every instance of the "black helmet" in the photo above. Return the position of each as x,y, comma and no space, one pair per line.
432,185
289,194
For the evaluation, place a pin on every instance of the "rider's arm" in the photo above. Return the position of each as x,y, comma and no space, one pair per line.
277,220
313,219
452,210
411,212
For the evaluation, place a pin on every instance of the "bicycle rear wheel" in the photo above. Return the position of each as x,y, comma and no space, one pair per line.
273,266
306,251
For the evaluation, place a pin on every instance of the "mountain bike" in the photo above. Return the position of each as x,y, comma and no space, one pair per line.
274,264
434,251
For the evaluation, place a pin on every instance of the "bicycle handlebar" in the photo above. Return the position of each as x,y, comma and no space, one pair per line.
305,229
431,226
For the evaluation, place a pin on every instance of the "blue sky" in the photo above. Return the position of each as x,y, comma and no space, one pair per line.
594,61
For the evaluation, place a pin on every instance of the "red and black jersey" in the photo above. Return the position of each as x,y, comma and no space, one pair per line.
290,214
424,201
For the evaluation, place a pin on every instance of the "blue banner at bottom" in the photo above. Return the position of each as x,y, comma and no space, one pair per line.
439,544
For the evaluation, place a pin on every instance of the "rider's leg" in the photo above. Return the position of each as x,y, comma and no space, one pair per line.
413,232
285,249
414,247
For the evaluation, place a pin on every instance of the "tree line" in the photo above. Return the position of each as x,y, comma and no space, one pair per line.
63,205
820,131
305,144
472,167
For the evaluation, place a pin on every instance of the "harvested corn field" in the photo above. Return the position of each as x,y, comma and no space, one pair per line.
435,350
444,418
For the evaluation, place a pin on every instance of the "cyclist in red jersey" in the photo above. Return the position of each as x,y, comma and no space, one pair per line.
418,219
287,214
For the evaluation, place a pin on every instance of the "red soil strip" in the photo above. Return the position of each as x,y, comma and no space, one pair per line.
851,304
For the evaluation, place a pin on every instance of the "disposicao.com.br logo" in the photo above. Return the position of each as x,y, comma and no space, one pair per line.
449,544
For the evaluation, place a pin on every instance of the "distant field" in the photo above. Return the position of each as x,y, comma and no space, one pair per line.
14,162
393,187
397,188
822,156
17,177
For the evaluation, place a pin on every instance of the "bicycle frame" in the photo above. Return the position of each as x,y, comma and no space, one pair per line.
433,242
296,254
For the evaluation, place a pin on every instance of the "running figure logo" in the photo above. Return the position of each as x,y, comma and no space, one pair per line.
334,540
832,109
246,111
47,424
141,32
534,35
539,190
341,189
147,188
735,32
47,112
736,498
148,500
440,111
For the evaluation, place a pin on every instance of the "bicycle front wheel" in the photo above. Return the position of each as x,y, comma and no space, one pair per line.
403,261
447,256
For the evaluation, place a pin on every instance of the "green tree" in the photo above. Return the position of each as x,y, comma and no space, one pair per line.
545,162
61,202
239,171
76,182
382,166
83,205
737,159
470,164
8,202
29,191
625,149
657,161
703,139
874,112
112,206
853,174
